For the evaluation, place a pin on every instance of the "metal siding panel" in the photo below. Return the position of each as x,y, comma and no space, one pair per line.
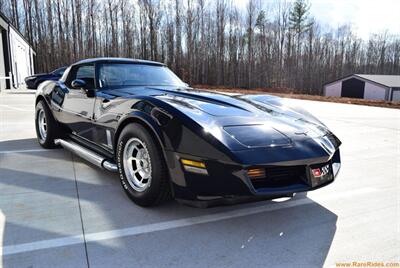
375,92
20,58
396,94
333,90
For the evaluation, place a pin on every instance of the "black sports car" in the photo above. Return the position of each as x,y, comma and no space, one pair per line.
32,82
166,139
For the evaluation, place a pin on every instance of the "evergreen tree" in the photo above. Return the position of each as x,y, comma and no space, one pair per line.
299,17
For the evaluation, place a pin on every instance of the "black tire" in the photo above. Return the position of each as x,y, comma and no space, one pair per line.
158,189
46,141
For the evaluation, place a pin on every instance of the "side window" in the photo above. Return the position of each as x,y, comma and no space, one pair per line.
85,73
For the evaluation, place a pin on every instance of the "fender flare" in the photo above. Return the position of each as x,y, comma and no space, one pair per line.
146,121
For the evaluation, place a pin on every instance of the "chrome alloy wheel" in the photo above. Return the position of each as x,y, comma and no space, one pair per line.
137,164
42,124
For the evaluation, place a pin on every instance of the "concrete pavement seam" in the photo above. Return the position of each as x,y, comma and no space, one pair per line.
80,211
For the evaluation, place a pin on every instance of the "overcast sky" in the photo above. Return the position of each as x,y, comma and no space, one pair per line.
366,16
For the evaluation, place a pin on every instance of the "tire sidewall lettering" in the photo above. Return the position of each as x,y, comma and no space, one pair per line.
120,165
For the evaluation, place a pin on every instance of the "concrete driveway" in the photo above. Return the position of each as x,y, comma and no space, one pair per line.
58,211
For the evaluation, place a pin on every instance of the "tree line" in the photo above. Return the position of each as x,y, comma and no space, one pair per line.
269,45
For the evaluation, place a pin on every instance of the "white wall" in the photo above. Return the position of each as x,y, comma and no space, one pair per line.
334,89
20,58
374,92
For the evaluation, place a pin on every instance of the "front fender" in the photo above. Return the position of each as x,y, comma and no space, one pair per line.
44,92
144,119
174,131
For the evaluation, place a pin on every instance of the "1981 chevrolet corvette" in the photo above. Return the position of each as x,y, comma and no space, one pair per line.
166,139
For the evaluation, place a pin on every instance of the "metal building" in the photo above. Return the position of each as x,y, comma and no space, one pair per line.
365,86
16,56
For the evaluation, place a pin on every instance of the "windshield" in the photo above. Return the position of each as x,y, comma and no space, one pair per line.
59,71
131,74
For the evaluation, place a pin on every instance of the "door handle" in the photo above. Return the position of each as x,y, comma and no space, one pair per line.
106,101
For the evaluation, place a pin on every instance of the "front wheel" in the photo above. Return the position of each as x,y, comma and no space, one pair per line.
46,126
141,166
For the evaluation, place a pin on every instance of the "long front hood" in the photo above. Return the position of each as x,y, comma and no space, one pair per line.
43,75
241,122
214,109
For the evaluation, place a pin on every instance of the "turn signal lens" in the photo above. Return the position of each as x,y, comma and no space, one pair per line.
256,173
194,166
193,163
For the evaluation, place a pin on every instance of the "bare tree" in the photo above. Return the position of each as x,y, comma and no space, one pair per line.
274,44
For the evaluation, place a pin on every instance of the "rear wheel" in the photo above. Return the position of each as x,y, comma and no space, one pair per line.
141,166
46,126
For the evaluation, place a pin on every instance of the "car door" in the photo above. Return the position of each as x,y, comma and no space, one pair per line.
108,108
77,107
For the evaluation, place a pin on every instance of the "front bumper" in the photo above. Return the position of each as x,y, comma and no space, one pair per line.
229,182
30,83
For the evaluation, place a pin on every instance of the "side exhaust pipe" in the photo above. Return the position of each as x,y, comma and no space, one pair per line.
88,155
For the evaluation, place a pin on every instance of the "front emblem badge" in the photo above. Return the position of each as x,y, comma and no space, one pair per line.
319,172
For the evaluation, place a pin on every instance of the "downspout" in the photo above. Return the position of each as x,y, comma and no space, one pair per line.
30,60
9,57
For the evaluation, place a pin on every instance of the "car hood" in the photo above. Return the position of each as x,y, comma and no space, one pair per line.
245,118
42,75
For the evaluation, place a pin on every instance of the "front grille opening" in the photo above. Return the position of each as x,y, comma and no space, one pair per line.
281,177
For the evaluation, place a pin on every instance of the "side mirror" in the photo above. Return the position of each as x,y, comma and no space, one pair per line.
80,84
